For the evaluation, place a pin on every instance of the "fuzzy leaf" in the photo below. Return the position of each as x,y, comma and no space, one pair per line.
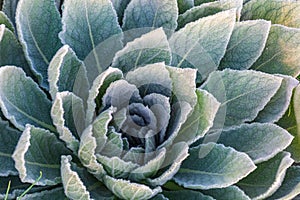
242,94
9,138
126,190
283,12
39,150
199,2
207,9
246,44
19,89
142,16
260,141
120,6
9,8
57,193
151,48
213,166
281,54
6,21
267,178
186,194
38,34
229,193
195,47
184,5
67,73
91,27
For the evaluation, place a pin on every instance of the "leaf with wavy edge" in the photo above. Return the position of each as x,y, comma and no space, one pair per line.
184,5
56,193
6,21
229,193
186,194
9,8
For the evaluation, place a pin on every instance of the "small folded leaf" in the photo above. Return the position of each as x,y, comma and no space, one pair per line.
67,73
242,94
290,186
199,2
186,194
207,9
19,89
229,193
6,21
57,193
283,12
260,141
38,34
195,47
9,8
246,44
201,120
39,150
280,102
282,52
267,178
141,16
126,190
184,5
9,139
213,166
114,144
91,29
152,47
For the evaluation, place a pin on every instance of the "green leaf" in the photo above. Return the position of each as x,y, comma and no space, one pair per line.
280,102
242,93
153,47
67,73
290,186
281,54
6,21
201,120
250,37
120,6
114,144
11,52
229,193
19,89
279,12
57,193
91,27
267,178
142,16
39,150
9,138
9,8
199,2
186,194
207,9
127,190
260,141
195,47
213,166
184,5
38,34
68,117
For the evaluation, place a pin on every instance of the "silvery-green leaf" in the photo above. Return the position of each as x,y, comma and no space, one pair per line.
207,9
267,178
246,44
120,6
135,155
57,193
38,24
283,12
172,163
201,120
11,52
68,117
91,29
153,47
290,186
195,47
281,54
149,169
159,197
39,150
116,167
142,16
242,93
186,194
19,89
152,78
99,86
114,144
6,21
184,5
67,73
280,102
229,193
199,2
260,141
9,8
213,166
9,138
125,189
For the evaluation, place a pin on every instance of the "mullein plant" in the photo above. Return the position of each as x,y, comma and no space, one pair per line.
149,99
